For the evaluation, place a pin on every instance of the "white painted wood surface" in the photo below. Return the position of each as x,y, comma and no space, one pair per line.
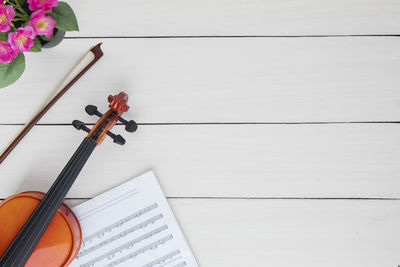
202,97
319,161
221,80
236,17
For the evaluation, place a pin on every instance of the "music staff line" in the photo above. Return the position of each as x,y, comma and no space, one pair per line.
154,245
137,252
182,264
119,223
163,259
126,232
108,204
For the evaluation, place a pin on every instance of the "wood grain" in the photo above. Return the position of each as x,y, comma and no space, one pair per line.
254,161
235,17
286,233
220,80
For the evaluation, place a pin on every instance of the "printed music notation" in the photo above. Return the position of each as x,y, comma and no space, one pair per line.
131,225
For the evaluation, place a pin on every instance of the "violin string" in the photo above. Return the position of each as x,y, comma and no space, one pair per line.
77,166
35,218
54,208
76,159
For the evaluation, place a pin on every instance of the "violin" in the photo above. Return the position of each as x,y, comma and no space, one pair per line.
38,229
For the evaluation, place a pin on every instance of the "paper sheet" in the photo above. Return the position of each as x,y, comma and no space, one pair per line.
131,225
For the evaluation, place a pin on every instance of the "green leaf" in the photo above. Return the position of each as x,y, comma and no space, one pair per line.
3,36
44,38
65,17
37,47
11,72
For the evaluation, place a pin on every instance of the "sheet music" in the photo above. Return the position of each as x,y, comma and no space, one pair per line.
131,225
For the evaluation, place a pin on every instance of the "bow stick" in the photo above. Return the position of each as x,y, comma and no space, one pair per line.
54,96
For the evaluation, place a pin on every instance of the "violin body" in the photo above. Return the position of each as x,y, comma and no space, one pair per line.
60,242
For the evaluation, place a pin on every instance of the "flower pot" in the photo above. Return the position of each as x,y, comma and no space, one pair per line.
58,37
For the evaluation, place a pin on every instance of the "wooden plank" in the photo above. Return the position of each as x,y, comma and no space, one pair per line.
236,17
319,161
220,80
286,233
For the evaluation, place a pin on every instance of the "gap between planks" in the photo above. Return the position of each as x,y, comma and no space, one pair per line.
232,36
220,123
266,198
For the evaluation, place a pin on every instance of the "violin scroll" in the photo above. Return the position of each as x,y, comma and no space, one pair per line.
118,103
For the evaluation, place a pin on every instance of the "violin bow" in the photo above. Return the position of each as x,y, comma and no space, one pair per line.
54,96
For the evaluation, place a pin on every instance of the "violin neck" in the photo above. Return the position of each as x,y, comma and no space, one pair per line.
22,246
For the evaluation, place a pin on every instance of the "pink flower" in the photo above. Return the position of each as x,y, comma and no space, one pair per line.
22,40
45,5
42,24
6,53
6,15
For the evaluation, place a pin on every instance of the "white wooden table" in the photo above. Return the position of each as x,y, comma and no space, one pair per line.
271,124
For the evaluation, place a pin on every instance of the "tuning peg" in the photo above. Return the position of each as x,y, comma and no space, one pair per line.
130,126
118,139
92,110
79,125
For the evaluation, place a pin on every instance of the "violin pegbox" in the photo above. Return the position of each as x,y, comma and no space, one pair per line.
118,105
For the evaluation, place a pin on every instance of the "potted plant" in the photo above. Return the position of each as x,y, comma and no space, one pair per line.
29,26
